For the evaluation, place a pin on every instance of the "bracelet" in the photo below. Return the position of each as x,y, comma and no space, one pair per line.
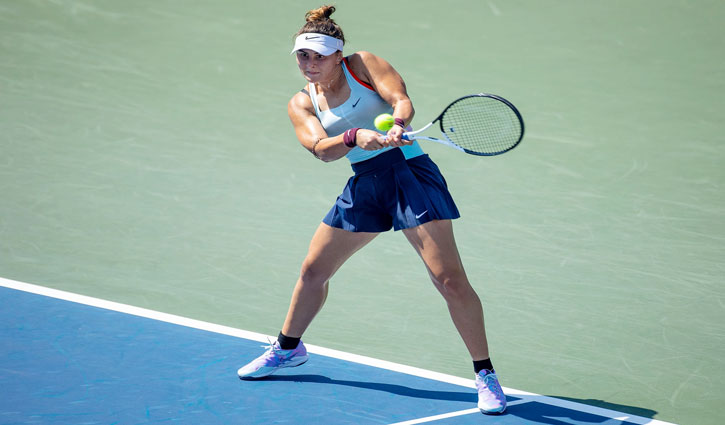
400,122
314,147
349,138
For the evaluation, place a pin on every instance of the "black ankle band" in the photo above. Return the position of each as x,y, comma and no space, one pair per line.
479,365
289,343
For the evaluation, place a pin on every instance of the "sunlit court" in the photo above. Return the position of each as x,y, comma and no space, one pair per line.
161,193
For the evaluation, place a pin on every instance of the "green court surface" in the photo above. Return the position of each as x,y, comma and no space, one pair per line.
146,158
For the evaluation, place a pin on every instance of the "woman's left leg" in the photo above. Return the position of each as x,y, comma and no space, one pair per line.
436,245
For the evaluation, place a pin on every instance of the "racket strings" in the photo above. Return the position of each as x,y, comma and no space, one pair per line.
483,125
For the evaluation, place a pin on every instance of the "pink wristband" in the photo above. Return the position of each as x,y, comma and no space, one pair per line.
400,122
350,136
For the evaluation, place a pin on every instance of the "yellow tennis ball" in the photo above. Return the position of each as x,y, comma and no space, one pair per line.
384,122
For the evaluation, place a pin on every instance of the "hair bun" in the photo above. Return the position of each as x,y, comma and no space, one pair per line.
318,21
319,14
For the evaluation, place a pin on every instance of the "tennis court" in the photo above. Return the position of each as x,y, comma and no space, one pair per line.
75,359
147,162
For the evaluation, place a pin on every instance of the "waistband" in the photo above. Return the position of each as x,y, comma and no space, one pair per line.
379,162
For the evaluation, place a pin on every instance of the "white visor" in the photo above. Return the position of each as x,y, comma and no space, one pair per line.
320,43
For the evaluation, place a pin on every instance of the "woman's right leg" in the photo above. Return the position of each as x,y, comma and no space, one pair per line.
329,249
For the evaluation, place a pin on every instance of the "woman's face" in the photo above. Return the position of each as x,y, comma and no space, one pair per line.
316,67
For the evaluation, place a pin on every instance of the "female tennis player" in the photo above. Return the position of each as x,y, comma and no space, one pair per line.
395,185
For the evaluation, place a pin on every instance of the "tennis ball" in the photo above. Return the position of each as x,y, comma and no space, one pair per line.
384,122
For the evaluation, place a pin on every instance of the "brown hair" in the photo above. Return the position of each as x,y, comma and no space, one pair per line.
318,21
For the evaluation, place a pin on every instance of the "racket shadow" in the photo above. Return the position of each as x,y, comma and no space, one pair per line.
402,390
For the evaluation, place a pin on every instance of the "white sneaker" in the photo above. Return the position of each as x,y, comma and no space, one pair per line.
491,399
273,360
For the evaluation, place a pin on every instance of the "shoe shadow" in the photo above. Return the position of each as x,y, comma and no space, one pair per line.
633,410
467,397
540,410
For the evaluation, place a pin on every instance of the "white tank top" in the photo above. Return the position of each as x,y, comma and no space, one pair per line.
359,110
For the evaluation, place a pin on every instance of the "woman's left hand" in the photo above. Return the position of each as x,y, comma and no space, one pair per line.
393,138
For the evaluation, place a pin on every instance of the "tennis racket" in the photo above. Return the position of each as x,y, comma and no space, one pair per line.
477,124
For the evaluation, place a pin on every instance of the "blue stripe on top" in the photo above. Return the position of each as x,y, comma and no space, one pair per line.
359,110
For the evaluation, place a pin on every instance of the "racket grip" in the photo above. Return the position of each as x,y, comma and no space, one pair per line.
403,136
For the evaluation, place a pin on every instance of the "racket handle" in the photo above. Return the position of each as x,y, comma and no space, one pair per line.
404,136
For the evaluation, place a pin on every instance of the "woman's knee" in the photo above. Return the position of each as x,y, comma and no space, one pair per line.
314,272
453,283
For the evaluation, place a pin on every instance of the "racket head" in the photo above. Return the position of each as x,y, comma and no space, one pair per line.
482,124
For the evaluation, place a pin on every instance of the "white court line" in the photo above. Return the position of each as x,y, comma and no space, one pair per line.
451,414
341,355
439,417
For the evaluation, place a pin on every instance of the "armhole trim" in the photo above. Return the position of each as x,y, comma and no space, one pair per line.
361,82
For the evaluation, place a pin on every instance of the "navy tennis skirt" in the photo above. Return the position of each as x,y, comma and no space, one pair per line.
388,191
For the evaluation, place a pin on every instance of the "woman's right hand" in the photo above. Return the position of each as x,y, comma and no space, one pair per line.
370,140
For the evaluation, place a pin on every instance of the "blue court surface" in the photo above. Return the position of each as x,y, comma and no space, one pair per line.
70,359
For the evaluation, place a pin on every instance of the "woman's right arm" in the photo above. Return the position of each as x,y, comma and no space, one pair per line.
313,136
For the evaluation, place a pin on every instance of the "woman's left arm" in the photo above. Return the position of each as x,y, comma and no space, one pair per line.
390,86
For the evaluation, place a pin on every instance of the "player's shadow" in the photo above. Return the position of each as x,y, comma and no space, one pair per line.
638,411
540,410
533,408
468,397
